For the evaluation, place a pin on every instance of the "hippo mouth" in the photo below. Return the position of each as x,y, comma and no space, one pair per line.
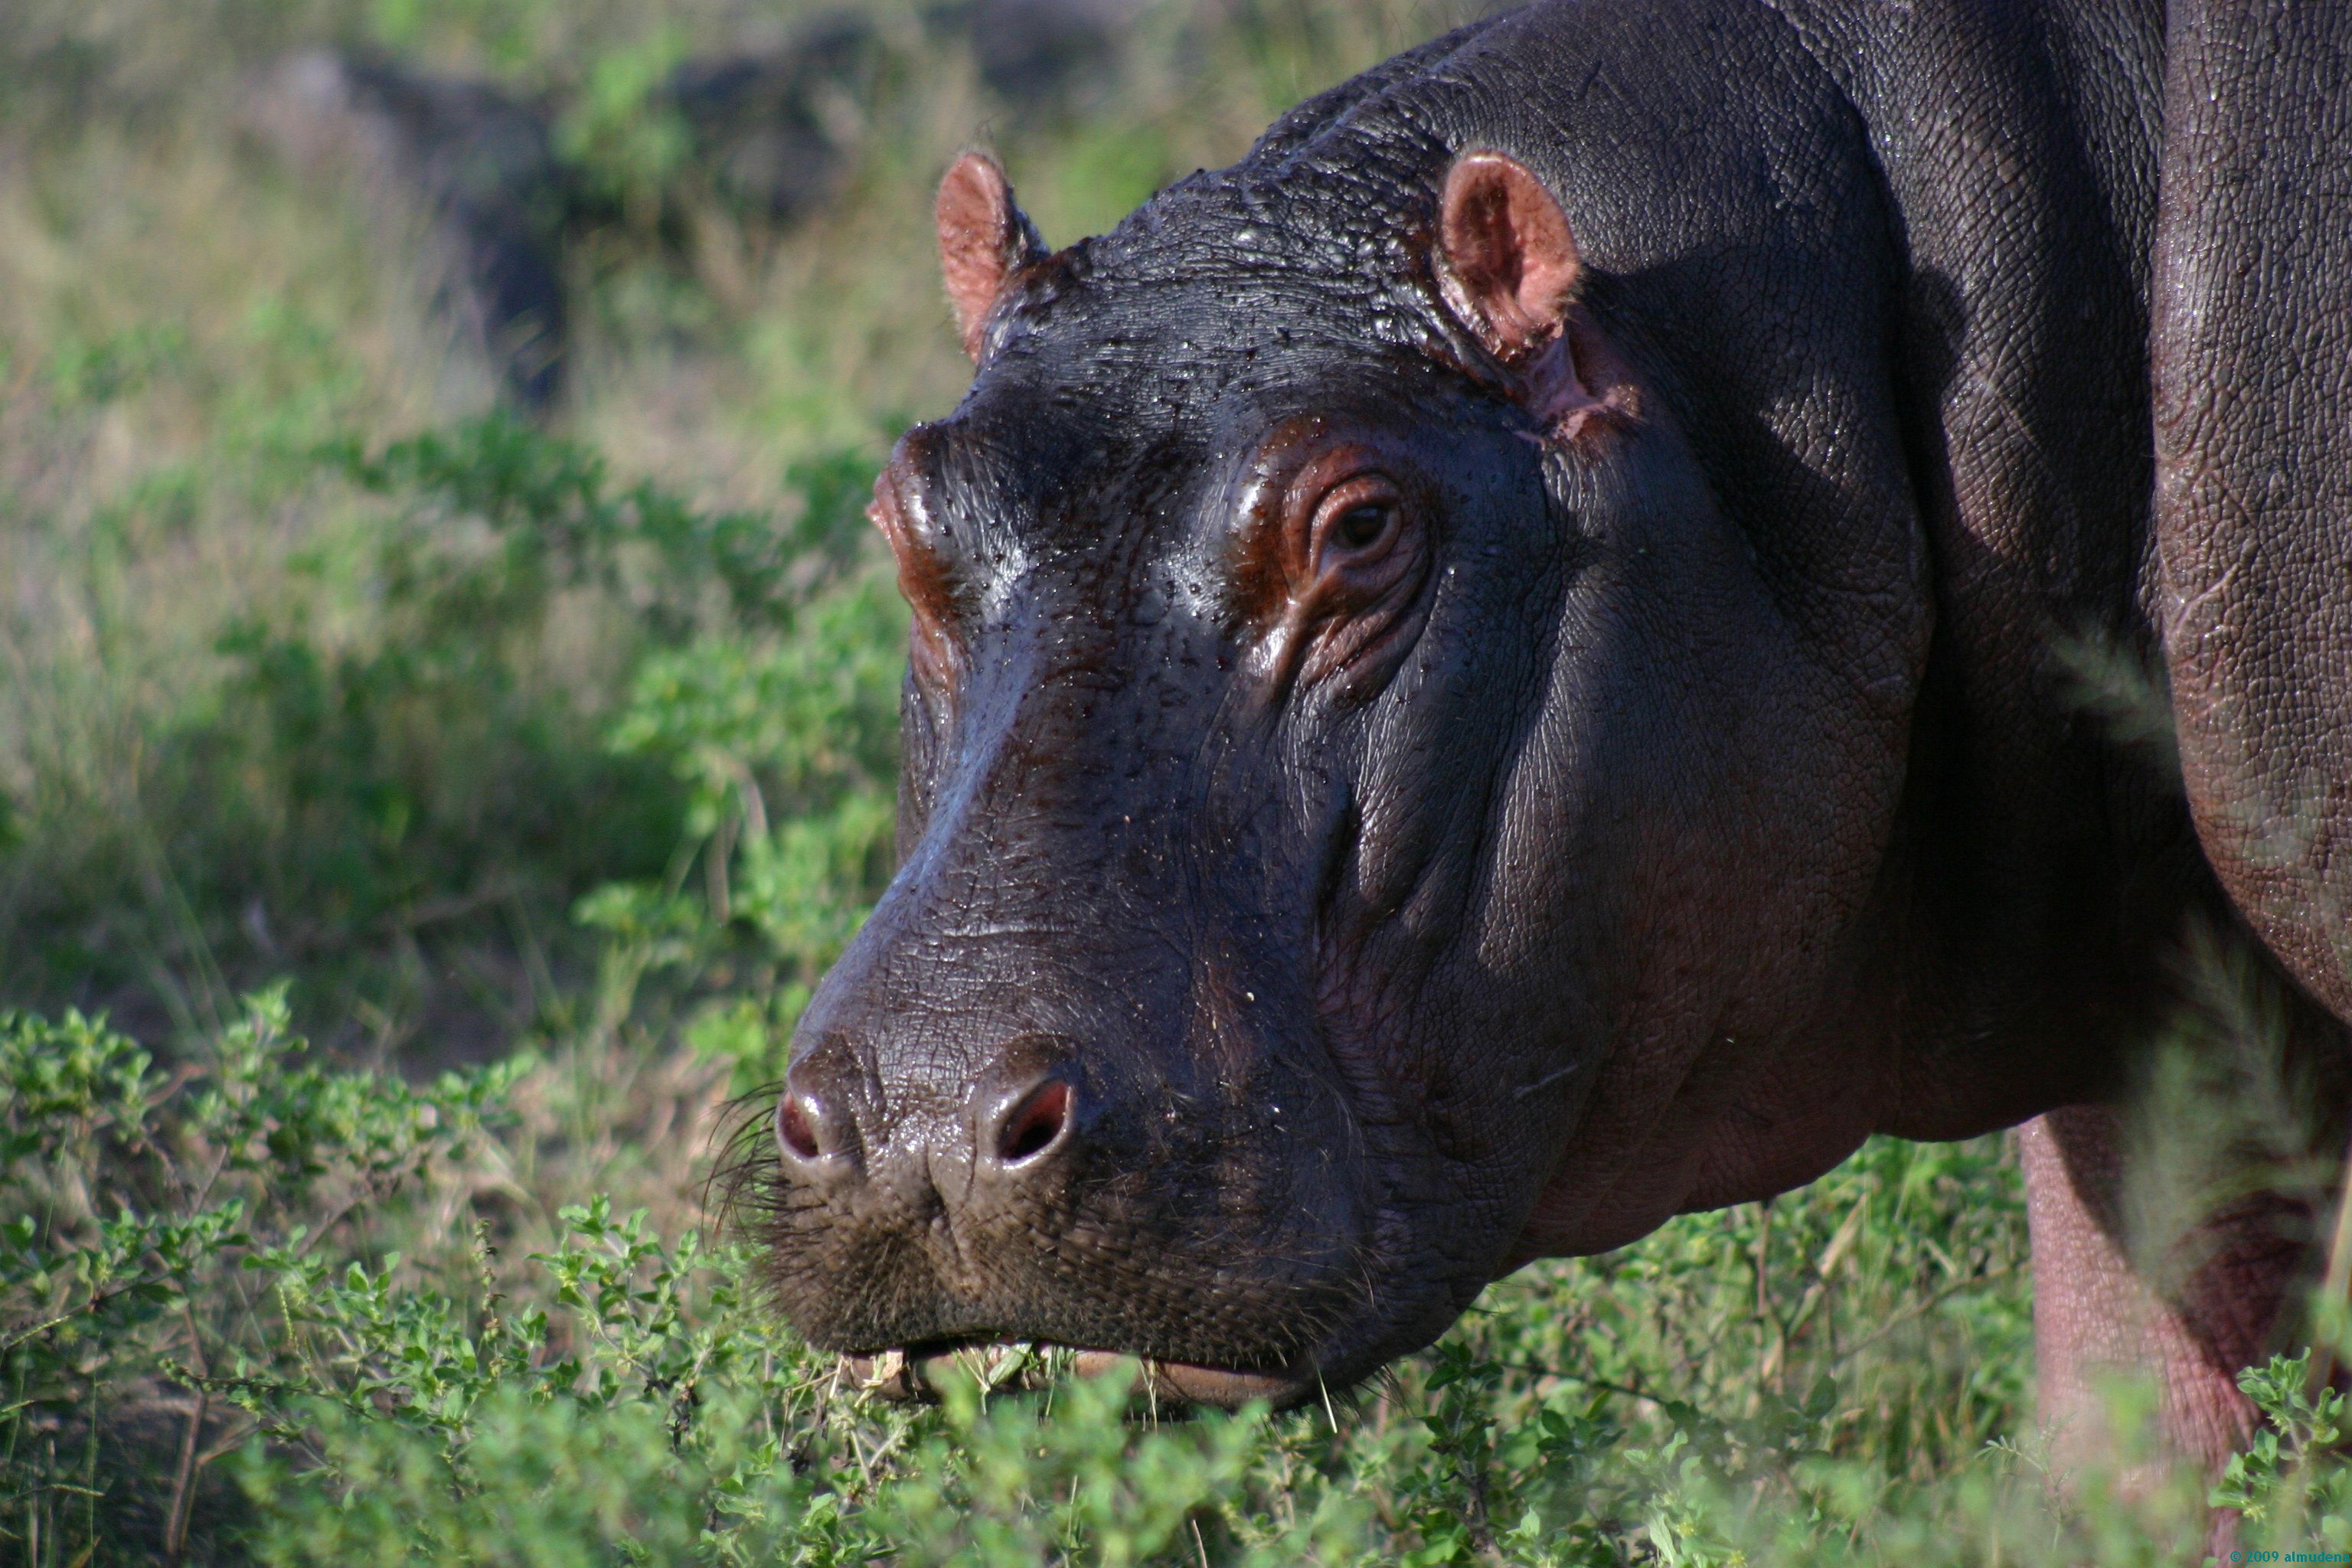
913,1375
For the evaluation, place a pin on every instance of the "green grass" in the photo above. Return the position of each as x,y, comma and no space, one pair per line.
536,773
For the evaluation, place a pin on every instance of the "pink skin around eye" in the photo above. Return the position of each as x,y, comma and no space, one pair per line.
1348,542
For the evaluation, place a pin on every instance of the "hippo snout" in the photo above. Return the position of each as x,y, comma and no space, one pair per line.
939,1185
975,1148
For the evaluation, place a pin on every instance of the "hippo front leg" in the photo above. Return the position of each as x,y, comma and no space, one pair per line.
2096,1311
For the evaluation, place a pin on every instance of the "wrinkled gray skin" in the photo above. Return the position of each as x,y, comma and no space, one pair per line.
1698,791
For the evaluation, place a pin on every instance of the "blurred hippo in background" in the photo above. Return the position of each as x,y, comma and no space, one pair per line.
1495,673
470,167
771,130
467,166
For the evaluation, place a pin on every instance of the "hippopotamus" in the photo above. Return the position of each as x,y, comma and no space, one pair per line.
1509,667
474,161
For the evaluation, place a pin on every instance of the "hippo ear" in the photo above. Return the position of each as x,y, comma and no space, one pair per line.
984,240
1508,266
1509,262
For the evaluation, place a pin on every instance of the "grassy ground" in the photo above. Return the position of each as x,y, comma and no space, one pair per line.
559,756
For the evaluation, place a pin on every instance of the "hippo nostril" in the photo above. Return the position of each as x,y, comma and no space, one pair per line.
1035,1124
814,1136
794,1130
816,1130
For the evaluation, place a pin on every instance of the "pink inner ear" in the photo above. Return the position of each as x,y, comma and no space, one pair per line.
1510,251
980,237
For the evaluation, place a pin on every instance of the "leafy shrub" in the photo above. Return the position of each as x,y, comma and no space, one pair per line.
194,1271
2286,1483
87,372
195,1231
623,141
411,750
789,751
145,1209
433,761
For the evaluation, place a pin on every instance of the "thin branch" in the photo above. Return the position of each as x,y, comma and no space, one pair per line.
183,1480
36,1330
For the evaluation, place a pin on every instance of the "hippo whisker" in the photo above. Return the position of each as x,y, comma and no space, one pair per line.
1545,1082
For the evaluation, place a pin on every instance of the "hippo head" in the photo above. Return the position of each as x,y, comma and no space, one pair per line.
1348,820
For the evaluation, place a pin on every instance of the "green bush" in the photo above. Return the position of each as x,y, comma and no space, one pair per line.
196,1279
789,751
398,754
147,1211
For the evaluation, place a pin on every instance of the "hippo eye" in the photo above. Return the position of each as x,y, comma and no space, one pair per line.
1355,519
925,580
1354,554
1361,527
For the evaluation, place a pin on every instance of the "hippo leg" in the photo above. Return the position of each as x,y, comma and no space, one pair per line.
2250,341
2095,1309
